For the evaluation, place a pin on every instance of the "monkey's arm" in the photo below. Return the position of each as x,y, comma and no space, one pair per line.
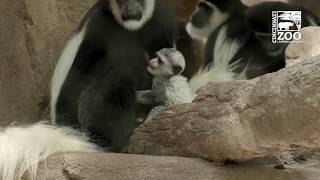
145,97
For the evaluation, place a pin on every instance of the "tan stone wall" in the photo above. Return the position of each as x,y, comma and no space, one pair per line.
32,34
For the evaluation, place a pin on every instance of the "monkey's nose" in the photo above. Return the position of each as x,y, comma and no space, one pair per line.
198,21
153,63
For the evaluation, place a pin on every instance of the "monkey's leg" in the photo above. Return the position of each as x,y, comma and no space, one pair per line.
107,109
145,97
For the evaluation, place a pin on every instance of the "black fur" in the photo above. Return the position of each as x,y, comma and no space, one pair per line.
252,53
260,15
99,92
260,20
252,26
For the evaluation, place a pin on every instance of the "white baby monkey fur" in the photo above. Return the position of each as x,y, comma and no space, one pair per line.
167,88
172,89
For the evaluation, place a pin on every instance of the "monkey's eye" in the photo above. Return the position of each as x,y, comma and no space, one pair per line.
206,8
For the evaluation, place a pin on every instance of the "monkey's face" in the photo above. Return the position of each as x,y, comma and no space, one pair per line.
207,17
159,67
132,14
168,62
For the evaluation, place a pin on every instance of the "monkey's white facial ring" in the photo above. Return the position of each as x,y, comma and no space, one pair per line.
131,24
216,18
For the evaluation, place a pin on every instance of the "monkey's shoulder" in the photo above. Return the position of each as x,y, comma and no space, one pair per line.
178,90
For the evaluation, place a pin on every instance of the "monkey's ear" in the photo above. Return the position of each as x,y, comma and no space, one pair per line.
177,70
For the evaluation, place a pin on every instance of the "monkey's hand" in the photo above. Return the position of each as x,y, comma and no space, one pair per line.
145,97
154,112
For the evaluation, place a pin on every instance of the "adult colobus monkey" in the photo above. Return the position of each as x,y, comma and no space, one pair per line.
233,51
94,84
95,81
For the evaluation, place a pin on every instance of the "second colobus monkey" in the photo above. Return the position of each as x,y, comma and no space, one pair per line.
169,86
232,49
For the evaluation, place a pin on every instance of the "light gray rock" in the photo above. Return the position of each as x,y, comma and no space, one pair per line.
307,48
240,120
85,166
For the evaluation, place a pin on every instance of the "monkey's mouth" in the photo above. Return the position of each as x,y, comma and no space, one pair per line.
132,17
152,66
150,69
131,11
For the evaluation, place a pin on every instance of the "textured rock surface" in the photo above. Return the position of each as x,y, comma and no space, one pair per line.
32,34
240,120
137,167
309,46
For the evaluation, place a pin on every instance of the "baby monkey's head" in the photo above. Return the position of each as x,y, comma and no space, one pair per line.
168,62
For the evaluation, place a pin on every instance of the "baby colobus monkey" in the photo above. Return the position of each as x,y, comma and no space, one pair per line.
169,86
233,51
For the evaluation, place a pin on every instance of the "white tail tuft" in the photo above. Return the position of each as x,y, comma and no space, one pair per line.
22,148
224,51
